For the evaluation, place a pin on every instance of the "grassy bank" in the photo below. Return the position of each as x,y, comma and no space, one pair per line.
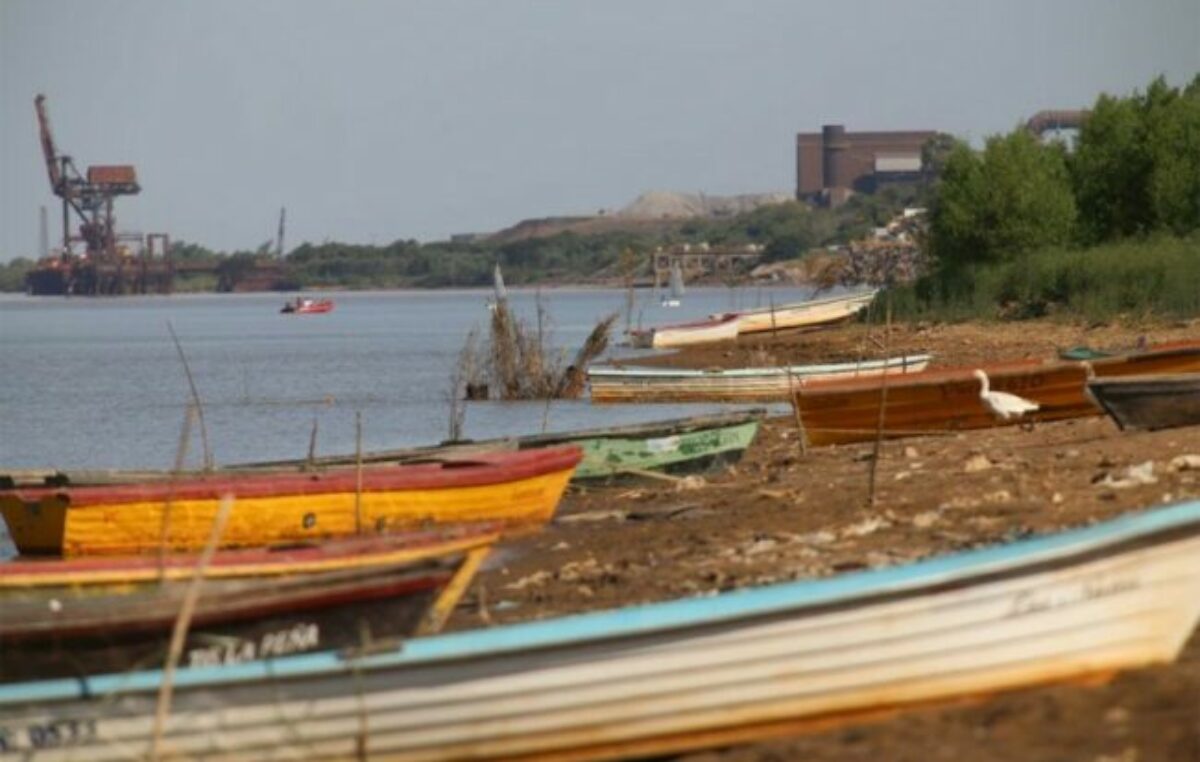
1156,277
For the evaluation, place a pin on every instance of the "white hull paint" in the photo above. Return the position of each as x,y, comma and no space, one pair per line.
1009,625
739,385
803,315
686,334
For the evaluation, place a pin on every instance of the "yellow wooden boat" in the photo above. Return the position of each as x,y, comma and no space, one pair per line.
518,489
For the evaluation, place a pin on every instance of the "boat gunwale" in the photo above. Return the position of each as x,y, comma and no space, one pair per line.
297,558
642,371
814,387
484,469
1149,379
862,296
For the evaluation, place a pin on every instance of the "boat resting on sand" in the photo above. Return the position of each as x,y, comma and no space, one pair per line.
811,314
635,384
679,446
1149,402
280,506
947,399
686,334
83,617
676,446
655,679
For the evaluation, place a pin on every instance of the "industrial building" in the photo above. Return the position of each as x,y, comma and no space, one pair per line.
833,164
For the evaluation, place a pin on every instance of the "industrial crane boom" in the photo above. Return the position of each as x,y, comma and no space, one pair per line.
48,150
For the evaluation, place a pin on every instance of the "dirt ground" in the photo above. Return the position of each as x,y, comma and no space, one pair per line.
780,515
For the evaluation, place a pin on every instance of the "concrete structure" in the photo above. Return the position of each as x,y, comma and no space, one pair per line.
701,260
832,164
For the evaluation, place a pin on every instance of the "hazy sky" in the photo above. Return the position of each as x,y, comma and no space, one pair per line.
373,121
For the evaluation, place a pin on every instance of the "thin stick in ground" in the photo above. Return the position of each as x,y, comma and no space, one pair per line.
164,529
183,622
187,370
883,390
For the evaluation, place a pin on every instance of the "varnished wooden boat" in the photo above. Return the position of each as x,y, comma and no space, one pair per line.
654,679
941,400
1150,402
77,618
687,334
278,507
811,314
635,384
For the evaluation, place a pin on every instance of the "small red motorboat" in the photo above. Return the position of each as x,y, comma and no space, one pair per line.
304,306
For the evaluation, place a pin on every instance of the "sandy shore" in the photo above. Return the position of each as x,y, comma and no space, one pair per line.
781,515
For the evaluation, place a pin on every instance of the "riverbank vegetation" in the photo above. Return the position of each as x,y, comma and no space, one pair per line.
1026,228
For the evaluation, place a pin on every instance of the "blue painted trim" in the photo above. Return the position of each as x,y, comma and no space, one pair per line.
634,620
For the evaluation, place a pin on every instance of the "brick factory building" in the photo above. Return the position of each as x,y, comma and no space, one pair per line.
832,164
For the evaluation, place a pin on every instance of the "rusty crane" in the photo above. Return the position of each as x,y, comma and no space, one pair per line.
106,264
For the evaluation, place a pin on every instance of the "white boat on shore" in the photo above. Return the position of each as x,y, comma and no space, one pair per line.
639,384
653,679
810,314
686,334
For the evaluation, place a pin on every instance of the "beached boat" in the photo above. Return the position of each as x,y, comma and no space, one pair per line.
686,334
284,506
92,616
653,679
634,384
304,306
678,446
942,400
1150,402
811,314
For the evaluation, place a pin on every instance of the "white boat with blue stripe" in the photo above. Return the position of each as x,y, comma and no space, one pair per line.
663,677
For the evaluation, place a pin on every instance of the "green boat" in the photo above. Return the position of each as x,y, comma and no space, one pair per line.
678,446
681,446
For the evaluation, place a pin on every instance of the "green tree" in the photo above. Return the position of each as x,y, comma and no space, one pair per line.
1014,198
1172,125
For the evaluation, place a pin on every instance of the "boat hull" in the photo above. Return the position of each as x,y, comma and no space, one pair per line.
234,621
1150,403
662,678
687,334
741,385
839,412
812,314
95,616
518,489
686,452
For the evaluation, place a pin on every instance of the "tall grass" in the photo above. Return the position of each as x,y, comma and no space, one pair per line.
518,362
1156,277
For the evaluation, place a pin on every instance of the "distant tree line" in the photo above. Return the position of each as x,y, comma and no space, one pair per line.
1128,192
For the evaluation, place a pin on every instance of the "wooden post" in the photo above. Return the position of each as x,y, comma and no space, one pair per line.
883,389
444,605
312,447
164,528
358,472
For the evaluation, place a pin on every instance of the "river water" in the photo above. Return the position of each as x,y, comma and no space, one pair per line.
97,383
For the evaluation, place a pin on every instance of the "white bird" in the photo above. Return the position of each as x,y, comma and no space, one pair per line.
1002,404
